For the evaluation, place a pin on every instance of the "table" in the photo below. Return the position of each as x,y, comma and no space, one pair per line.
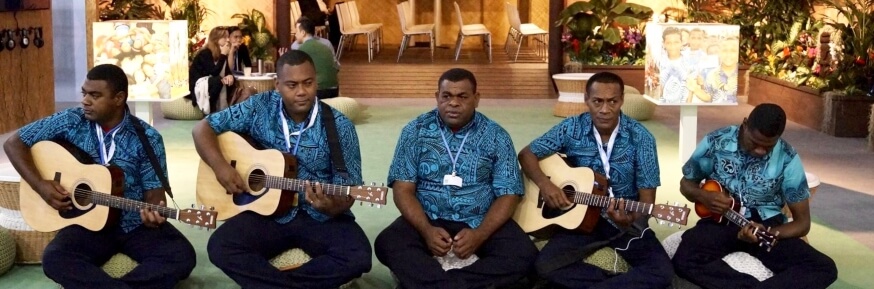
142,108
571,93
260,83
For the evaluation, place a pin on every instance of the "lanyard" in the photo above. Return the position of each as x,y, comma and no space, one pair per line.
312,121
605,155
105,156
458,153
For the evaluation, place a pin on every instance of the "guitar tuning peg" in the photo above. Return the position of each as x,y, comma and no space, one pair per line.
212,208
373,184
192,206
661,222
379,206
371,205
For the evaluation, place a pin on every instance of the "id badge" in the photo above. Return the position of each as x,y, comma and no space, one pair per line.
452,180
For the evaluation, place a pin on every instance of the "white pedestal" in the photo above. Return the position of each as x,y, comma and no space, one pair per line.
688,131
143,110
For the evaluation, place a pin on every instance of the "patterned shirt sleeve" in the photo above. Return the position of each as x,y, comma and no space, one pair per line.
351,151
404,165
554,140
54,126
795,187
240,117
647,160
700,164
149,177
506,176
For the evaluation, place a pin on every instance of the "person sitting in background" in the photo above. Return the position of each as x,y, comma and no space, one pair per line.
210,80
323,59
238,56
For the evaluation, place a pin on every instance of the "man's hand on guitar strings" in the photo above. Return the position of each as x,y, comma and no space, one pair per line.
230,179
329,205
151,218
749,233
554,196
616,211
55,195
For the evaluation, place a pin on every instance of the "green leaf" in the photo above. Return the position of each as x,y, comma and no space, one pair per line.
611,35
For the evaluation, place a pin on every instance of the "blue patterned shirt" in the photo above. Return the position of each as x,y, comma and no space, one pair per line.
139,176
764,184
487,165
634,162
258,117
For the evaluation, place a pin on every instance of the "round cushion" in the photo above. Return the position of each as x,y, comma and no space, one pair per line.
7,250
181,109
119,265
637,107
346,105
605,258
740,261
631,90
290,259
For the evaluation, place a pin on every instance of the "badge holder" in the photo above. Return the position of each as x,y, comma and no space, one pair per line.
452,180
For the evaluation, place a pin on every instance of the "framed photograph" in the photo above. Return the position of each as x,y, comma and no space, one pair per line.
691,63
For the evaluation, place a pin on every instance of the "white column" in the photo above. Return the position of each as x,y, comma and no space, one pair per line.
68,26
143,110
688,131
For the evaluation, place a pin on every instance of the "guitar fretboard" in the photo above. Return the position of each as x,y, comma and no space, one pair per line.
736,218
126,204
300,185
603,201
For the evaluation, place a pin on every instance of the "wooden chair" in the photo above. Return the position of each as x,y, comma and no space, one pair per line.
523,30
471,30
420,29
350,32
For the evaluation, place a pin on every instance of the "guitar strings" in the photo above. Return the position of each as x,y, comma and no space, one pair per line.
120,201
297,184
605,200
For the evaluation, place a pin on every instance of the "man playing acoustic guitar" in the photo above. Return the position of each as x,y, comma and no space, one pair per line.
104,129
289,119
760,172
612,144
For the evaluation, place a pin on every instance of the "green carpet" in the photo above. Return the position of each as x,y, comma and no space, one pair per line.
378,128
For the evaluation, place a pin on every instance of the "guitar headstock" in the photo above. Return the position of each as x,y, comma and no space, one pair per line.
205,218
766,239
673,214
372,194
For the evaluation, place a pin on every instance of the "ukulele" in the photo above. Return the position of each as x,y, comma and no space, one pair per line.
765,238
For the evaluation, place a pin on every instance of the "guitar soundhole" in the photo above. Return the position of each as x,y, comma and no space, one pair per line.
82,196
257,180
550,212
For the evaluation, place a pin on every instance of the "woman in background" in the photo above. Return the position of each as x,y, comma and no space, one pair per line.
210,79
238,57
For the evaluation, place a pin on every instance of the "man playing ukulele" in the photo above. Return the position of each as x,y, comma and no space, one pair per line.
761,172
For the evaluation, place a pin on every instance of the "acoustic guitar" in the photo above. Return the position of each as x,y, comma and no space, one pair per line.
271,182
587,190
96,193
766,239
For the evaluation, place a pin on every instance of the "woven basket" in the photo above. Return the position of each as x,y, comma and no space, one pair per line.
568,109
637,107
30,244
180,109
346,105
7,250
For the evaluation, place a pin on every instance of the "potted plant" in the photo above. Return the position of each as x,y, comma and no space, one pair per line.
605,32
258,37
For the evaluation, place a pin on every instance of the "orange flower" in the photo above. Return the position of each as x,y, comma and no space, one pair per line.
786,52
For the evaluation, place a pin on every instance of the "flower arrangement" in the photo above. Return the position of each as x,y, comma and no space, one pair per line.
258,37
794,60
604,32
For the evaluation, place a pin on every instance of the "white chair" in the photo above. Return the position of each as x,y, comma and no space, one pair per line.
356,23
413,30
521,30
471,30
349,32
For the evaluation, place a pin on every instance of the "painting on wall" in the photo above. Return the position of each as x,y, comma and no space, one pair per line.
691,63
153,54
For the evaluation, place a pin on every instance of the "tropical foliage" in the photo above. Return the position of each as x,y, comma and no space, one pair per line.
260,40
604,31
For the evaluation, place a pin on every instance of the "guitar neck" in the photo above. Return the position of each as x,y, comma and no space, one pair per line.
736,218
300,185
130,205
604,201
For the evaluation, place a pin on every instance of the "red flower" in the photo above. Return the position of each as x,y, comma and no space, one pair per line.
860,61
576,45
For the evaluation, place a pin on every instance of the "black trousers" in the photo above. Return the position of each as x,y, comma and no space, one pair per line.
504,258
795,263
243,246
74,257
650,264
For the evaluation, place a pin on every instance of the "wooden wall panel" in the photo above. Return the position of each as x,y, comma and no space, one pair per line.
27,90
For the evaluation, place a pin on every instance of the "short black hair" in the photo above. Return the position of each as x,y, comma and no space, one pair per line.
768,119
112,74
232,29
605,77
307,25
292,57
456,75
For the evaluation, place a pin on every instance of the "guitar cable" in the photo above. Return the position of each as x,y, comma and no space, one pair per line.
628,245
